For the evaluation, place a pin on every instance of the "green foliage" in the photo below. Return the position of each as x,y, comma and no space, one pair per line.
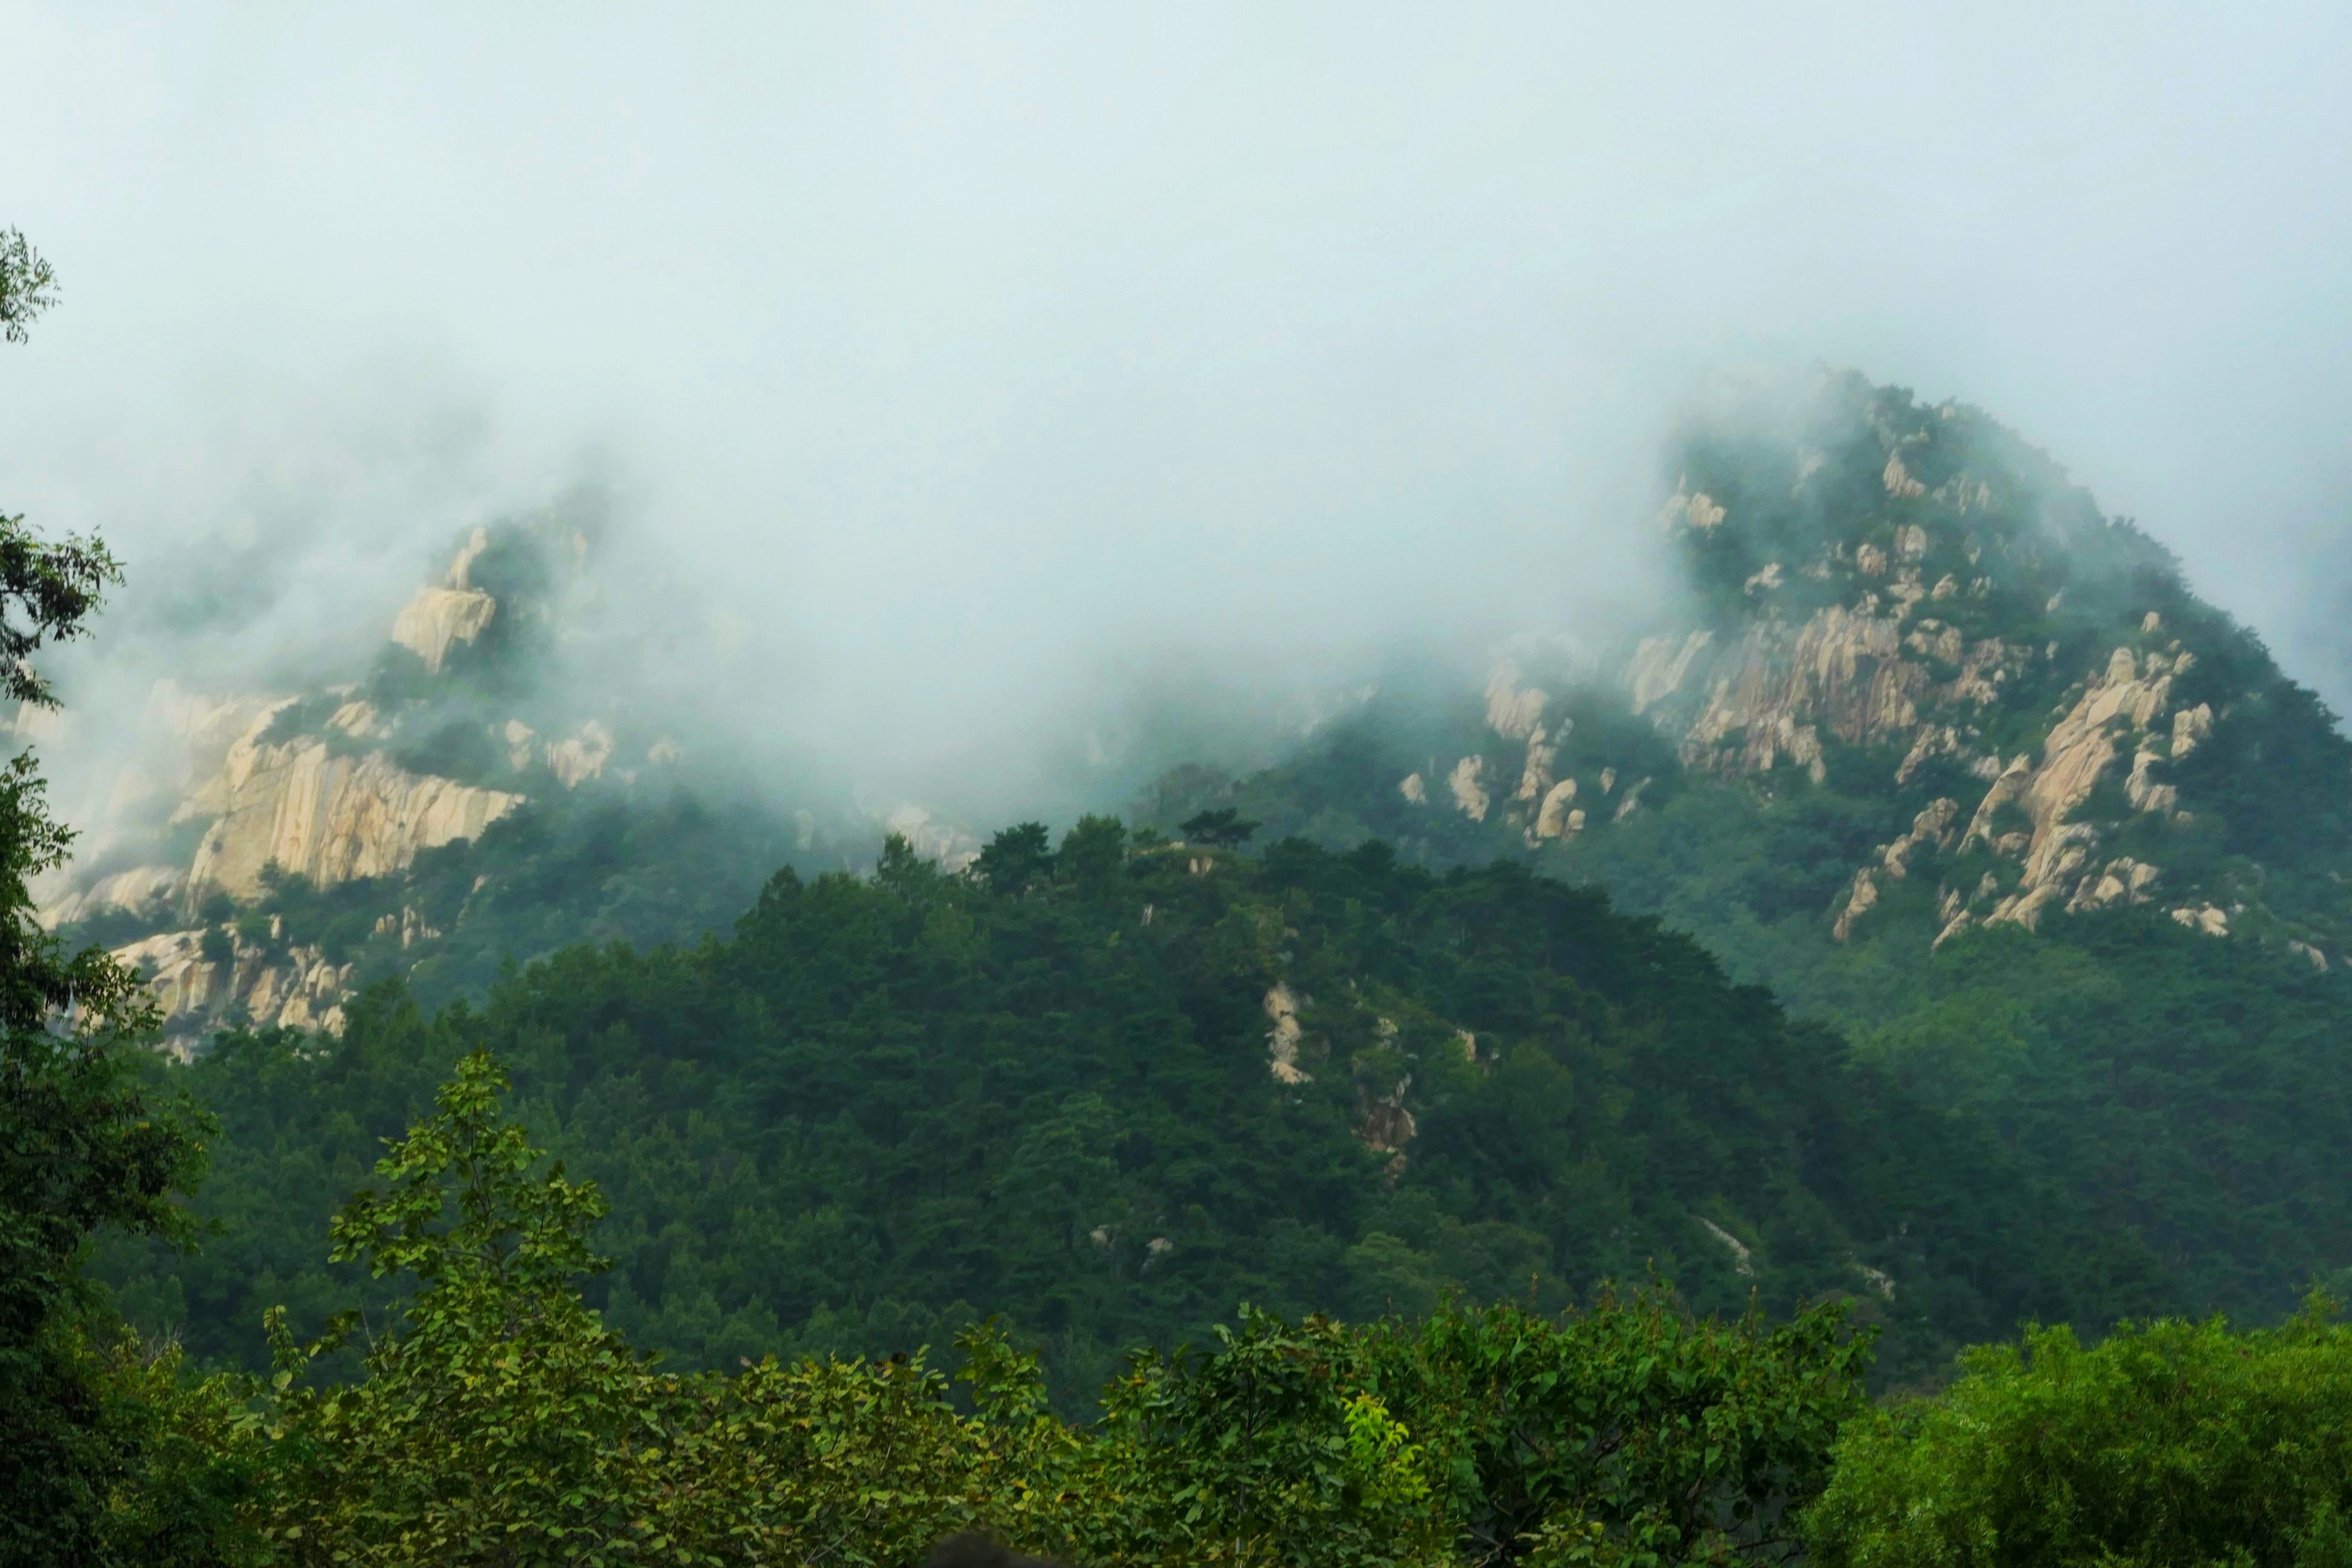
1016,859
28,285
2176,1098
1220,828
84,1145
2169,1444
890,1104
1627,1433
499,1420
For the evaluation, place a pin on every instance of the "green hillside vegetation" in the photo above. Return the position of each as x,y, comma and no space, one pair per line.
496,1417
1045,1089
2181,1091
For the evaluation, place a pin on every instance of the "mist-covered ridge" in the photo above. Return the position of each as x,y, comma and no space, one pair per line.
486,785
1908,606
1953,761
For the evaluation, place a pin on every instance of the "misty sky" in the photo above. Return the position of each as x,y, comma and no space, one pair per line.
963,352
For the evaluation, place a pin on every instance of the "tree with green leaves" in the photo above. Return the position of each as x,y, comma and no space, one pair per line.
1016,859
84,1146
2167,1445
498,1419
28,285
1219,828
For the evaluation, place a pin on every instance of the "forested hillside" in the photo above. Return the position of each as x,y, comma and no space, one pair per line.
1962,767
1622,1240
1112,1089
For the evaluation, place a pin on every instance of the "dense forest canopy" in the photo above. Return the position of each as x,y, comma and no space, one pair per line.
1108,1089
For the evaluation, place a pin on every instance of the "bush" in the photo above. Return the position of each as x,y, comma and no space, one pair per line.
2171,1443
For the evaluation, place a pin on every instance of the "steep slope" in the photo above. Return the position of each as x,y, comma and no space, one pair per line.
1950,759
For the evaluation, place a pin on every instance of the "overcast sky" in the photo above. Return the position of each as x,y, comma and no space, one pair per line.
961,351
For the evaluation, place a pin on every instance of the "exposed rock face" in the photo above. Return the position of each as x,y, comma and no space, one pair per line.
442,615
143,889
429,623
1469,791
1779,690
1282,1040
1557,816
1931,830
583,756
330,817
296,988
1512,711
943,843
2127,701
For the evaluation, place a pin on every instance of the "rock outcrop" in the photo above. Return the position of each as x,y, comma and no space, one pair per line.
438,618
295,987
442,615
1282,1038
141,890
311,809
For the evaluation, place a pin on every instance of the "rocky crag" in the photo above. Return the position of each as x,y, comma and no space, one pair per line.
1958,764
1906,607
305,843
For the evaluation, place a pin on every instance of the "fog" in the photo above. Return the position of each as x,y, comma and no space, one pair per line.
958,376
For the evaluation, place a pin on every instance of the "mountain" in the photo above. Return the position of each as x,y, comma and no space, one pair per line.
1955,762
478,791
2041,857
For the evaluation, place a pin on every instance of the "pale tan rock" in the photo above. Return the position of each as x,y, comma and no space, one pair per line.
355,719
1282,1041
1535,777
1659,665
461,567
295,989
1382,1125
1469,793
2189,728
327,817
437,618
2207,918
2143,792
1551,819
945,845
1413,790
1742,1259
1512,711
1897,478
1778,689
143,889
581,756
1860,899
